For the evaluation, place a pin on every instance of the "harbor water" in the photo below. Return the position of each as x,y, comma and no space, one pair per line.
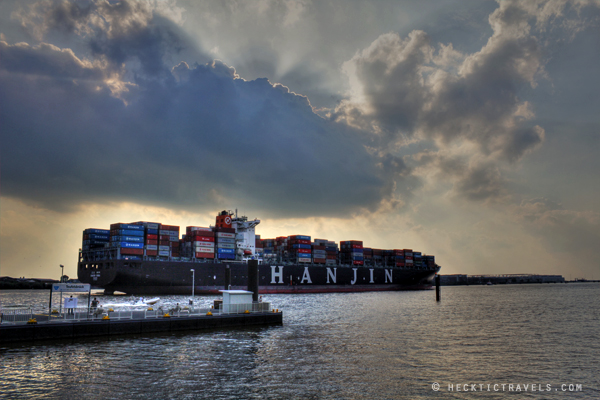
537,341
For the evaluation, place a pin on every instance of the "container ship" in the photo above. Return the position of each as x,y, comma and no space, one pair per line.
148,258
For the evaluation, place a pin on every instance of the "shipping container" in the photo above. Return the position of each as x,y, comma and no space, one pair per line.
132,251
129,245
205,255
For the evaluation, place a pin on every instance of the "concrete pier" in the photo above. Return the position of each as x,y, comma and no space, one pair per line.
88,328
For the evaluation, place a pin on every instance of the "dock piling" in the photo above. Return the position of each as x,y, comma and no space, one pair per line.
437,287
253,279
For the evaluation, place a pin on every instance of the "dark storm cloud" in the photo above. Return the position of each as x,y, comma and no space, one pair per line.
189,141
114,32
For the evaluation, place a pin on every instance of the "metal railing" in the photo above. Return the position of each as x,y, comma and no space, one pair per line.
16,315
24,315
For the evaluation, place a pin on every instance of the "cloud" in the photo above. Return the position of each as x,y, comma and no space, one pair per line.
404,87
116,33
565,231
201,136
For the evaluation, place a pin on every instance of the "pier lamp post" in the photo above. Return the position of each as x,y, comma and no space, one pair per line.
62,272
193,280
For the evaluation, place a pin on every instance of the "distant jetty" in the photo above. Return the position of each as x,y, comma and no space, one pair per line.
504,279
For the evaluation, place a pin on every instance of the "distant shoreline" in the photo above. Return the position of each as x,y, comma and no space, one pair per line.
8,283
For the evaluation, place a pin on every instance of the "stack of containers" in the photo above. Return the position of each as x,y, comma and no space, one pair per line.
352,252
168,241
150,237
258,246
400,261
368,256
408,258
268,246
299,248
281,245
201,241
378,256
389,258
429,261
225,243
418,259
129,239
95,239
319,251
332,251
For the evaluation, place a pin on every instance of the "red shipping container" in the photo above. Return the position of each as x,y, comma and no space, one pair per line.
132,252
151,252
359,262
304,251
164,242
399,264
165,237
152,237
318,247
331,257
319,260
203,239
175,244
154,242
205,255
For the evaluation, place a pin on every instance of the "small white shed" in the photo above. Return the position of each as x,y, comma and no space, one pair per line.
236,300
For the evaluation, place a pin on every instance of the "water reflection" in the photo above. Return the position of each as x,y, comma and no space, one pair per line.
358,346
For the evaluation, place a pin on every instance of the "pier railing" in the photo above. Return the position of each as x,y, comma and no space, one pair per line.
27,315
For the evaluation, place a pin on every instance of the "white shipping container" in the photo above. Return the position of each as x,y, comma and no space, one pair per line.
174,239
163,248
151,247
164,253
225,245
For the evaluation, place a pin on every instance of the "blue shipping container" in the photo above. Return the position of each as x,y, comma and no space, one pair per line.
226,251
152,231
129,245
98,231
301,246
128,232
131,227
99,236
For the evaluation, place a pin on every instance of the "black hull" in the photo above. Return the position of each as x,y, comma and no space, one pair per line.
175,277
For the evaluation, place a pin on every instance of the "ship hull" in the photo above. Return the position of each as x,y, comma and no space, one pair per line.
175,277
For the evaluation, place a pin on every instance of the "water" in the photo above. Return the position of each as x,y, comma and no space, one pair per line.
392,345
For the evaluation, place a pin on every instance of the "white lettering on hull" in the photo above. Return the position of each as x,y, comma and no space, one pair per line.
306,276
354,281
388,274
371,270
276,274
333,275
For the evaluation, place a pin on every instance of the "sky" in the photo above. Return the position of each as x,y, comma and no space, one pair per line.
464,129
